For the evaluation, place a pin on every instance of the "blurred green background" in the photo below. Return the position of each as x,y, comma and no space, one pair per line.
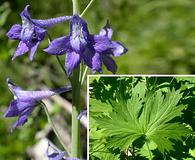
159,34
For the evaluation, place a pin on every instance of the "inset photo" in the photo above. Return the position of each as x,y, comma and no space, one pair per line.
141,117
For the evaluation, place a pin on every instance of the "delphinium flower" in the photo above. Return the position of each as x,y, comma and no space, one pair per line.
92,49
31,32
25,101
56,154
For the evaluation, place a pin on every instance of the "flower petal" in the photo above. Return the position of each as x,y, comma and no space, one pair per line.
78,25
21,49
23,118
81,114
33,50
101,43
14,32
47,23
96,62
27,33
106,31
16,107
118,49
78,34
72,61
56,156
58,46
109,63
53,153
39,34
25,13
87,56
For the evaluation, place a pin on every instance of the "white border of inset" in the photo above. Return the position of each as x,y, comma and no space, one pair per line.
121,75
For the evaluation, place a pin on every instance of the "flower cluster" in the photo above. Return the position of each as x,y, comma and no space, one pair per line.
78,45
92,49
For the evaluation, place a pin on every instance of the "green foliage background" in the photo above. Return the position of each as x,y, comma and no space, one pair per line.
159,35
137,114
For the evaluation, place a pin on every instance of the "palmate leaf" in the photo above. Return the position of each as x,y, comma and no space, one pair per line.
147,115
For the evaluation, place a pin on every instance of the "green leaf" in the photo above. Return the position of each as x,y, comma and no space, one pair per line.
147,115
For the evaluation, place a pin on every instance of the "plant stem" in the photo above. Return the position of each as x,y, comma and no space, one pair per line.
76,88
75,5
89,4
149,150
61,65
54,128
57,57
84,75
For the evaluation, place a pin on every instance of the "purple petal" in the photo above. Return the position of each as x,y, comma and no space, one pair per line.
79,25
40,33
81,114
58,46
16,107
47,23
118,49
27,33
102,43
72,61
33,50
23,118
25,13
14,32
106,31
21,49
78,34
20,122
53,153
88,55
56,156
109,63
96,62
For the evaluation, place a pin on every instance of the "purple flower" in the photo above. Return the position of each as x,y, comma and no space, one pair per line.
25,101
55,154
81,114
31,33
92,49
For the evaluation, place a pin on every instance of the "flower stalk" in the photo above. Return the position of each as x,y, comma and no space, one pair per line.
82,14
75,5
76,89
76,92
54,128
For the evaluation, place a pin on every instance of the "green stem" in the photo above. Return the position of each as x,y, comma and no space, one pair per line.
54,128
75,5
149,150
84,75
57,57
61,65
89,4
76,89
